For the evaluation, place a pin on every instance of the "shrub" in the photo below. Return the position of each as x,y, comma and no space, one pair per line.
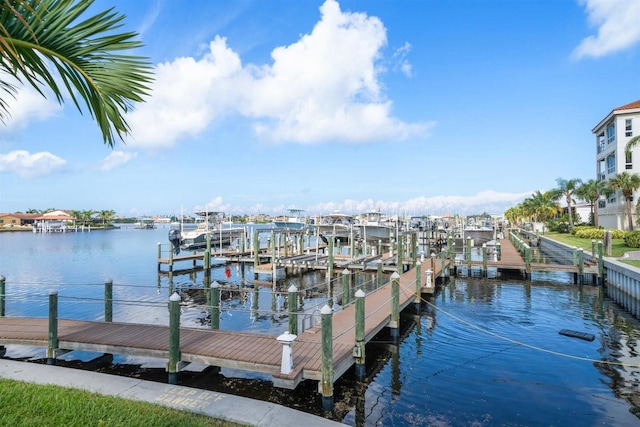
632,239
597,233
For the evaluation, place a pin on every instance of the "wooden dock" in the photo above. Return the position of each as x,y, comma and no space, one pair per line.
238,350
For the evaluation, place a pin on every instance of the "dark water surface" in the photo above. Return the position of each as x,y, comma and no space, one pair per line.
481,352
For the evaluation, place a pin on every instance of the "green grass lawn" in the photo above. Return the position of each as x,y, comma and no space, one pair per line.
618,247
49,405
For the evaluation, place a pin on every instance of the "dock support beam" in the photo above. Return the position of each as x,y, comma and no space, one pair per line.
394,323
293,310
359,349
53,328
327,358
214,303
174,338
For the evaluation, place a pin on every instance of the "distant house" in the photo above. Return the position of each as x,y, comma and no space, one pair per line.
53,222
17,219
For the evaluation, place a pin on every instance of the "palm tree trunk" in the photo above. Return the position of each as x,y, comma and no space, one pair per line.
629,214
595,214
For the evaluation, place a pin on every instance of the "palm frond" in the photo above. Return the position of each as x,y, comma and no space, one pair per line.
79,58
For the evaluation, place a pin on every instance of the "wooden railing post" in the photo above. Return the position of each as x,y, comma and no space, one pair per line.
214,303
293,310
108,300
53,328
359,349
327,358
174,338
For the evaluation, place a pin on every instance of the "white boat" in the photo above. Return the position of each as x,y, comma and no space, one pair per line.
295,220
480,231
336,224
372,228
145,224
211,225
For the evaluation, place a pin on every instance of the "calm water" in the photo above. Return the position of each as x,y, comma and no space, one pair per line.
481,352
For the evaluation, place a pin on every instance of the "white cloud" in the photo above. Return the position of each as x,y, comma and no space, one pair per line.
486,201
30,165
324,87
115,159
215,205
26,107
617,24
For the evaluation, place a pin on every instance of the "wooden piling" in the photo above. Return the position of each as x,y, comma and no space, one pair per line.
600,263
359,349
346,289
418,284
174,338
52,345
293,309
394,323
484,260
2,295
400,259
580,266
327,358
379,275
214,303
108,300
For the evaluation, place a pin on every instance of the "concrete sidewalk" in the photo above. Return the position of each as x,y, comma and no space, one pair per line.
218,405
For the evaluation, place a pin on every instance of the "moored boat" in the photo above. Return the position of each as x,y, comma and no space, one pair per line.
295,220
372,228
337,225
209,225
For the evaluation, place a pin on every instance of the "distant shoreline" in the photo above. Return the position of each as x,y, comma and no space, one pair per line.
18,228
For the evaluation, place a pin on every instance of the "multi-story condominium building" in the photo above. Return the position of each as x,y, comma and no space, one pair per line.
612,135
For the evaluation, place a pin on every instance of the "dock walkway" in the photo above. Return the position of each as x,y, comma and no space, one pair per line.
238,350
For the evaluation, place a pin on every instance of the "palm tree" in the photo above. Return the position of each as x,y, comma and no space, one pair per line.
567,188
86,216
627,184
542,206
106,216
39,35
591,192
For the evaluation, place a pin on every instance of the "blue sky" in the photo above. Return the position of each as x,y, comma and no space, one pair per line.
409,106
